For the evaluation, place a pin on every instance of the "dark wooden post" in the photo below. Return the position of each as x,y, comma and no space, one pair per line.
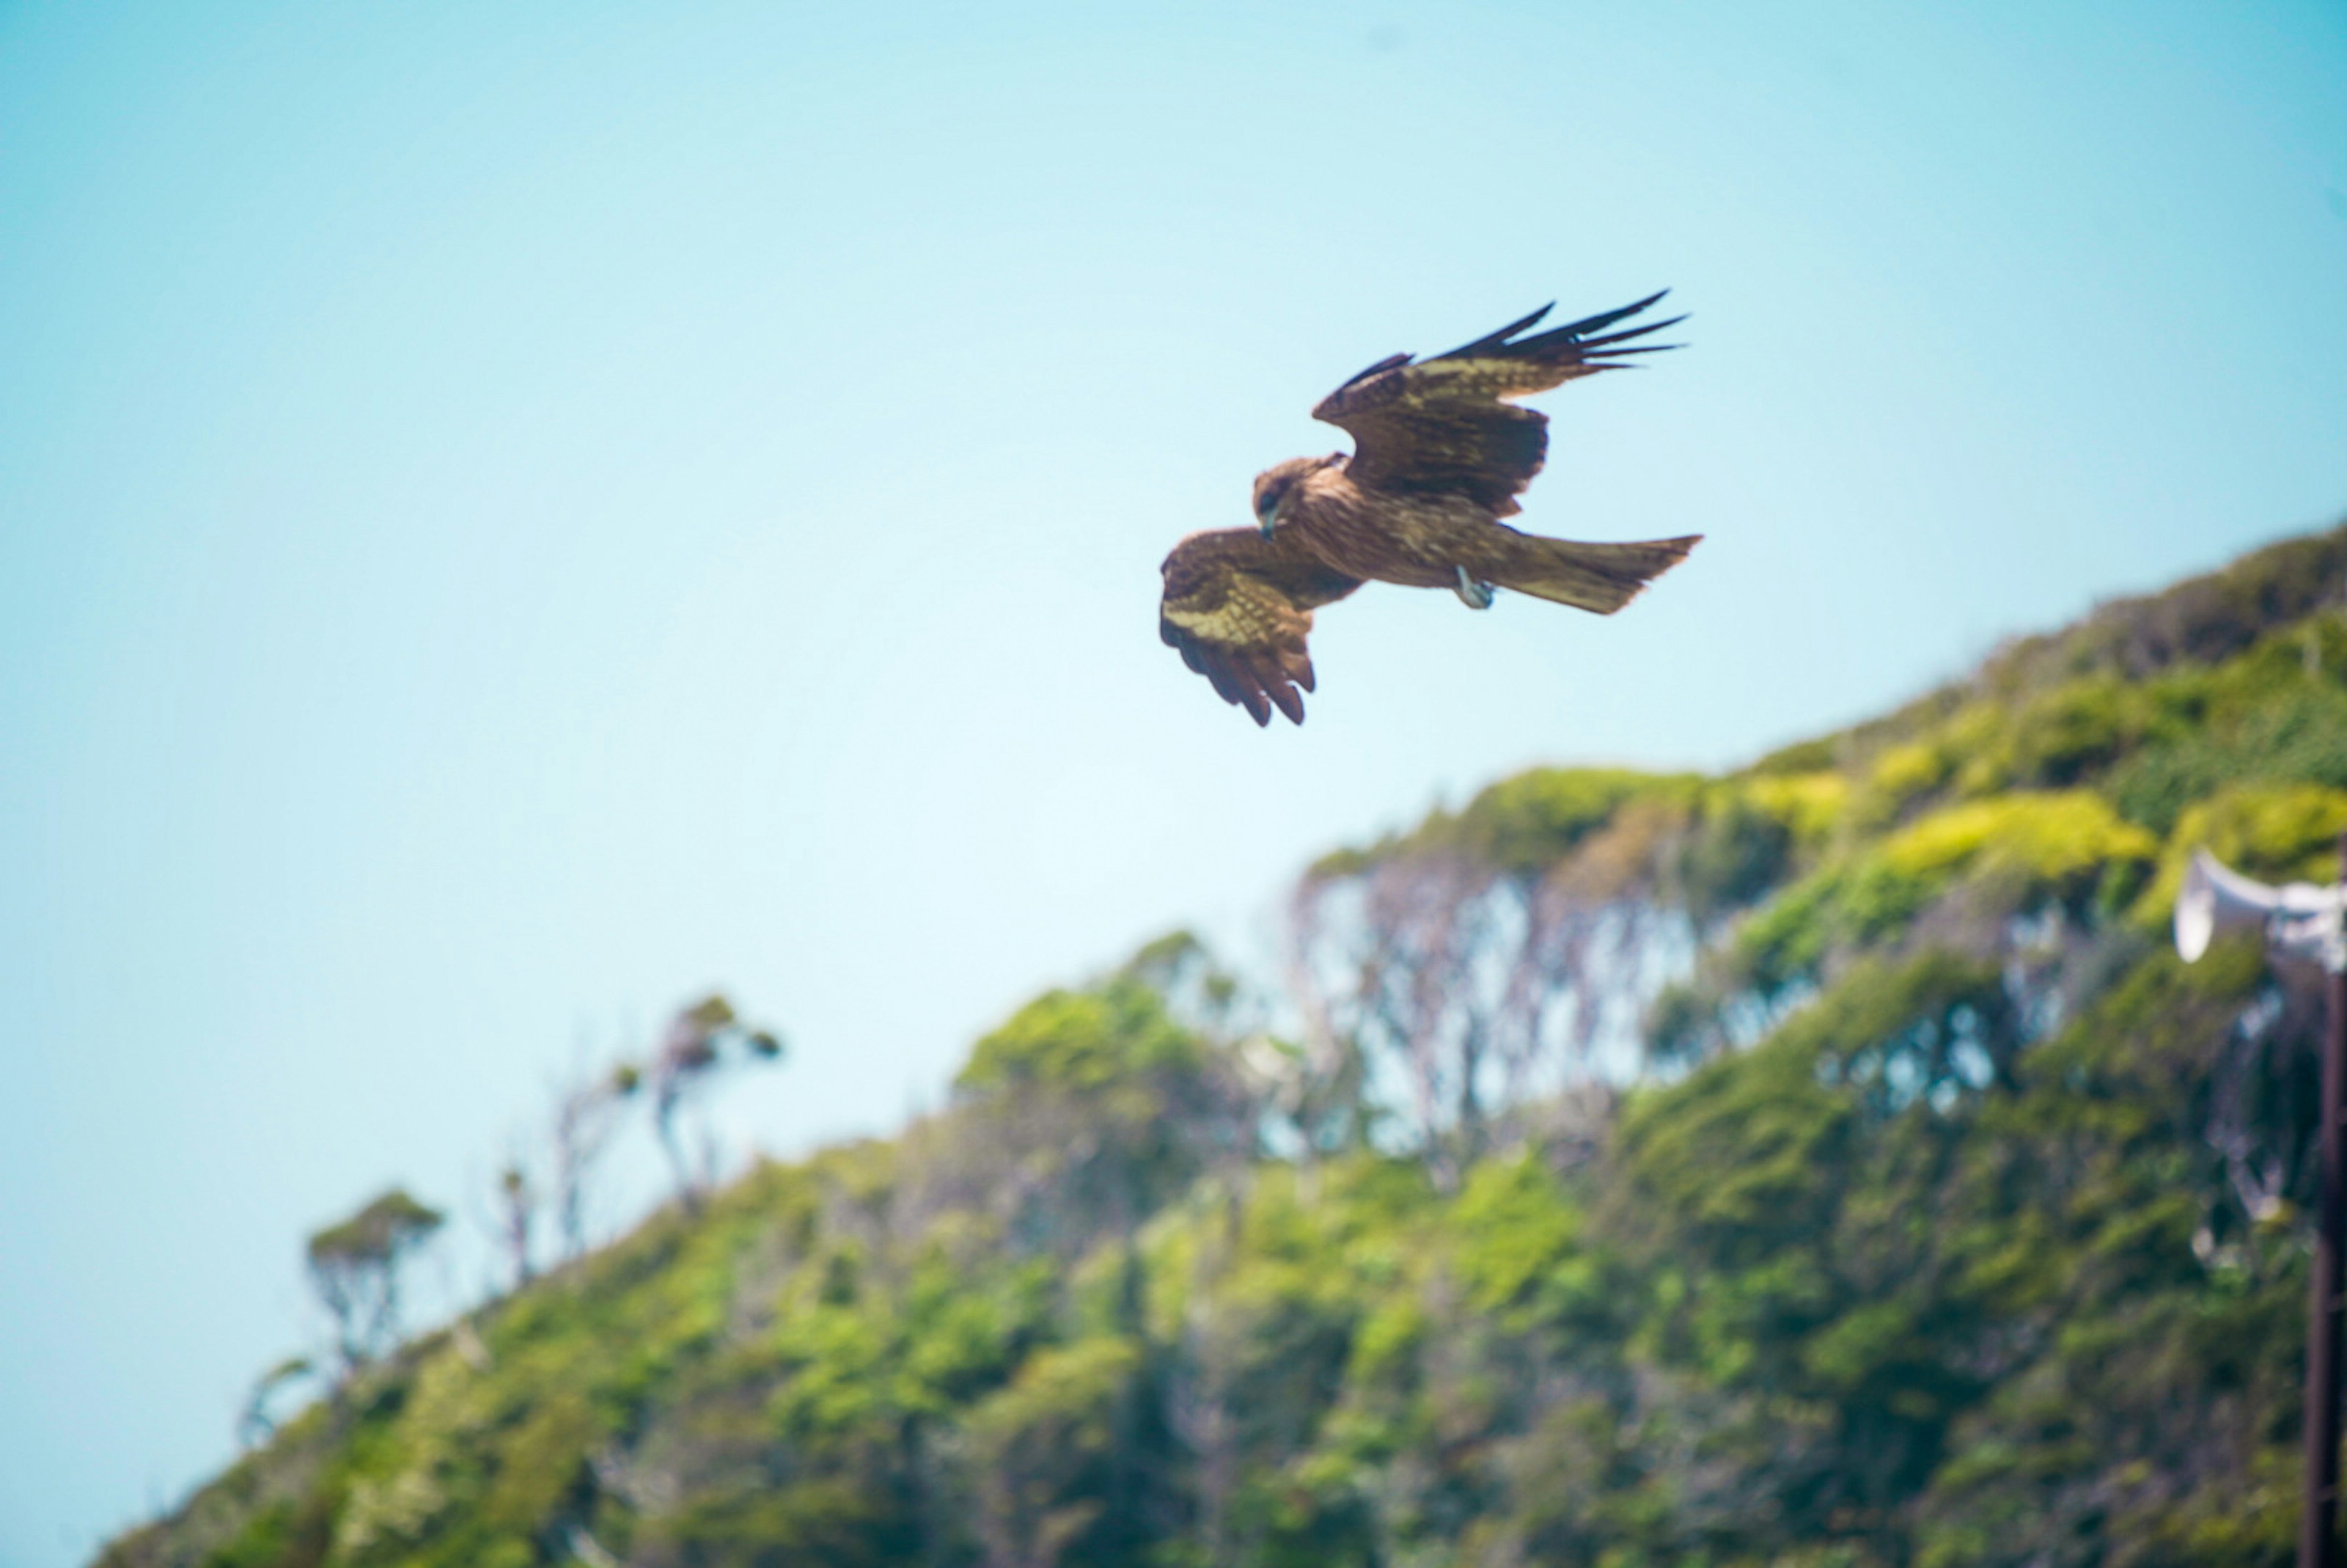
2318,1541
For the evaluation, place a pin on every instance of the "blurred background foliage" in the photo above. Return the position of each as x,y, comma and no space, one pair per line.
1826,1164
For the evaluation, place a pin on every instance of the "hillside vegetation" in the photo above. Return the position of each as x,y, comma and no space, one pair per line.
1827,1163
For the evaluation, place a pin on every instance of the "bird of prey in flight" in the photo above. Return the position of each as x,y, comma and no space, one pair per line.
1439,456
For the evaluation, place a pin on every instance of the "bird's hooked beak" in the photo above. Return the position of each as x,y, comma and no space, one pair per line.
1268,518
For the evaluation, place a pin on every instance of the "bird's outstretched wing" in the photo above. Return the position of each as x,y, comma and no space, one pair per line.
1237,607
1443,425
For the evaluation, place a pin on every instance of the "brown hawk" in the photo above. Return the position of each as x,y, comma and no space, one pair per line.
1439,456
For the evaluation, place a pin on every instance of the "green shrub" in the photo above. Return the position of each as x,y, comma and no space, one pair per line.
2276,833
1117,1036
2027,847
2295,736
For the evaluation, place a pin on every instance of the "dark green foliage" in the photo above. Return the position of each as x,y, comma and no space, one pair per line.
833,1522
1736,853
2295,736
2153,1401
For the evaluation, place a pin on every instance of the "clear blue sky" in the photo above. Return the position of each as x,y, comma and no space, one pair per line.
511,514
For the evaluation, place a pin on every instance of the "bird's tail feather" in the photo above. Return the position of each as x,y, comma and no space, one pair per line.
1592,577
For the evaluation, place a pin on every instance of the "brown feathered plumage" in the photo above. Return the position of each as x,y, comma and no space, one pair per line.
1440,457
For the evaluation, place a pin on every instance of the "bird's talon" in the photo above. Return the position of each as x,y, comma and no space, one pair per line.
1473,594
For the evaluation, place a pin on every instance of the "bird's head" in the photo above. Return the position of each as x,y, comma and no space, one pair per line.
1275,484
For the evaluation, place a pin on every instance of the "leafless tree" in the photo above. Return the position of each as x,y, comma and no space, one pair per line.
518,1202
1463,990
586,1116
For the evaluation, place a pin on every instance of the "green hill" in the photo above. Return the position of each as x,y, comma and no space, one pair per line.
1947,1220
